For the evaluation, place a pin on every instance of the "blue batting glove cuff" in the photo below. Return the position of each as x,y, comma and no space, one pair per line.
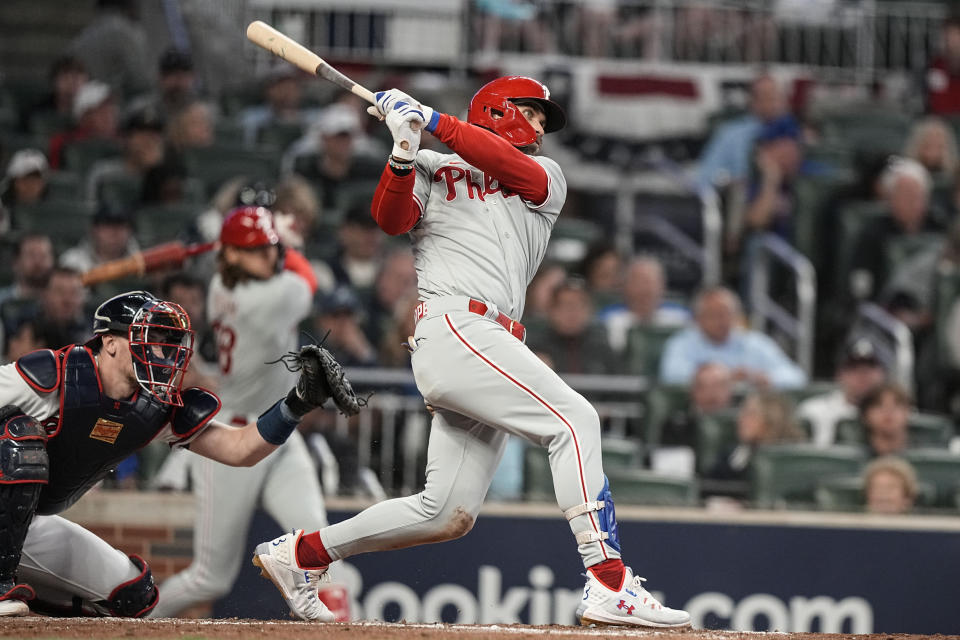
434,121
277,423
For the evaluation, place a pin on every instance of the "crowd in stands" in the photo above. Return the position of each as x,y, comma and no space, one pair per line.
103,164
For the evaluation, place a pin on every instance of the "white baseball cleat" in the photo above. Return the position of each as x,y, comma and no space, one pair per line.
13,597
14,608
632,605
277,560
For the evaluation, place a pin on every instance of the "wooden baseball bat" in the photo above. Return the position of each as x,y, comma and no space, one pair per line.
283,46
262,34
163,256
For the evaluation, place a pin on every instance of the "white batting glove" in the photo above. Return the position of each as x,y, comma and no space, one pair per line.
405,124
387,100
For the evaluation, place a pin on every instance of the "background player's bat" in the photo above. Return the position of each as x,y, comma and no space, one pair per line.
279,44
164,256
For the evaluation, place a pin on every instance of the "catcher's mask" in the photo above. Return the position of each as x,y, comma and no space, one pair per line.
161,342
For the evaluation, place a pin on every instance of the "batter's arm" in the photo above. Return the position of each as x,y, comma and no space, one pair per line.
393,205
496,157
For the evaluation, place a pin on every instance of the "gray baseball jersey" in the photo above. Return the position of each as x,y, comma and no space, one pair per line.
476,238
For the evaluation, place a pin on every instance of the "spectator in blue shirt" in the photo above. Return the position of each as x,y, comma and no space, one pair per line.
753,357
726,157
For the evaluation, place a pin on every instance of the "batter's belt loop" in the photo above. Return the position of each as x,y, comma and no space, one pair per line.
516,329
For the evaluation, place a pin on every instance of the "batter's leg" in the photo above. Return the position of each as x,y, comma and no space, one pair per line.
487,374
462,455
225,501
63,562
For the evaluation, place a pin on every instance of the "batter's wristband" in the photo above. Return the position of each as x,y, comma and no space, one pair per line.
277,423
434,119
400,167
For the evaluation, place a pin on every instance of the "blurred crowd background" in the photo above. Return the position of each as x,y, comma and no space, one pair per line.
755,277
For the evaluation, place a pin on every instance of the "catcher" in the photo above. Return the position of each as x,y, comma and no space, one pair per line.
68,417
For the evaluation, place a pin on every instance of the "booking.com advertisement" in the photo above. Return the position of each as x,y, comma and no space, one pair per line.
728,576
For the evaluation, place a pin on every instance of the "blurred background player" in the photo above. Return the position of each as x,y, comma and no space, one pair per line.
258,297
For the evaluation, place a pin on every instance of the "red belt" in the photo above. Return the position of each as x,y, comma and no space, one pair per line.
480,308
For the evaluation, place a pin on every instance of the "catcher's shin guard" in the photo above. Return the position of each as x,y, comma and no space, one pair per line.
24,469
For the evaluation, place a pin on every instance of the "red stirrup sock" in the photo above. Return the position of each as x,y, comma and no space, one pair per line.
311,553
609,572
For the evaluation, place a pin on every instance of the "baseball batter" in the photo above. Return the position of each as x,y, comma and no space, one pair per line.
69,416
254,308
479,221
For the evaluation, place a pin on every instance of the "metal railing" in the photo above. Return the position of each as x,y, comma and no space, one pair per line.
771,251
391,432
894,337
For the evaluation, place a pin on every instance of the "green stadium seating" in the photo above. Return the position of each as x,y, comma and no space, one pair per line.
946,295
120,191
642,487
787,474
716,434
852,219
939,467
868,130
279,135
47,123
645,347
66,222
215,165
661,403
840,493
812,195
621,453
80,155
901,249
162,223
537,477
64,185
924,430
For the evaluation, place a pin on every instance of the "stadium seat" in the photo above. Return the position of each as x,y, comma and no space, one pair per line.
946,294
279,135
875,130
852,219
812,195
80,155
162,223
716,434
570,239
787,474
644,347
64,186
537,477
621,453
840,493
661,403
924,430
120,191
48,123
66,222
902,248
939,467
639,486
215,165
815,388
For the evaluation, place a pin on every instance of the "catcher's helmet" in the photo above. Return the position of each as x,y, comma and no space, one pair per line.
497,98
160,337
249,227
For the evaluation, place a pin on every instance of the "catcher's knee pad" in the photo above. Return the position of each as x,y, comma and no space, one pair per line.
24,469
609,533
137,597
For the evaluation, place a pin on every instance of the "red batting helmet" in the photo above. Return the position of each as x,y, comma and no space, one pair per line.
248,227
498,97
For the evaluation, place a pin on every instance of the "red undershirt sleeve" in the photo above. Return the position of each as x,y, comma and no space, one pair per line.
495,156
393,206
296,262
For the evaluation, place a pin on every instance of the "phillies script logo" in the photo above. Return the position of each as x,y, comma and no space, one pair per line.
451,175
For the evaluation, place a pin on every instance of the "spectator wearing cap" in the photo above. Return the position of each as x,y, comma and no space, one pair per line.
338,162
95,117
33,262
571,342
752,356
143,149
176,84
282,104
338,313
726,158
25,183
113,47
110,238
906,187
859,370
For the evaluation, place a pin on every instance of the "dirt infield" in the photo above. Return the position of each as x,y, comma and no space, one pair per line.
235,629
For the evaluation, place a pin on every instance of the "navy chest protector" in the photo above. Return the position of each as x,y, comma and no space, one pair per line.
94,433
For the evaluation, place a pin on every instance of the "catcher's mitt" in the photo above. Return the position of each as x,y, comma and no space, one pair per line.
321,377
